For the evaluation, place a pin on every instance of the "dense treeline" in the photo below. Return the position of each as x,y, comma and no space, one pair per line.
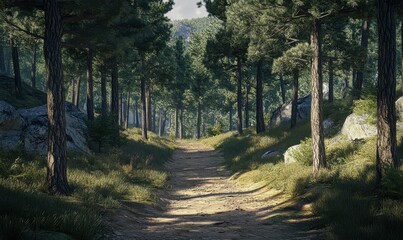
192,79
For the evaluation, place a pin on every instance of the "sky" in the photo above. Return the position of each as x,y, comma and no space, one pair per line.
186,9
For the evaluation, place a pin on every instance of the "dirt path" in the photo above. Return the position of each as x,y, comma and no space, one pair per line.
203,203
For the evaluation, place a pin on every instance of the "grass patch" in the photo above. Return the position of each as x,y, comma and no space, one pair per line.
344,196
31,97
131,172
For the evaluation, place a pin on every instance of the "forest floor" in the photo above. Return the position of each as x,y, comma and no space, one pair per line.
203,202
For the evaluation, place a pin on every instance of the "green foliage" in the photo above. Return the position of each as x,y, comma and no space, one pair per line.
100,182
103,130
366,106
215,130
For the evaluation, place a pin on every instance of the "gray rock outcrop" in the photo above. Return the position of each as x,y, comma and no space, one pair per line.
30,128
289,155
399,109
283,113
270,153
356,127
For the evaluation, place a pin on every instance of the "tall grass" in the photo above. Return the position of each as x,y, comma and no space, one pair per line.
131,172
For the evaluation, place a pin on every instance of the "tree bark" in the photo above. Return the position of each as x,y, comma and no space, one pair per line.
33,66
318,145
2,60
78,87
143,97
148,111
160,124
127,110
294,104
17,72
115,93
177,122
181,126
331,80
120,112
247,105
56,180
154,127
90,86
239,94
73,90
386,156
260,125
231,114
103,94
199,113
282,88
136,114
360,72
401,35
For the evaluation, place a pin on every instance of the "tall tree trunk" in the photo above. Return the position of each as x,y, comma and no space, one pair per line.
9,65
154,127
282,88
73,90
17,72
177,122
160,124
127,110
231,114
260,125
199,113
90,86
239,94
318,144
120,113
247,105
56,179
148,111
143,97
181,126
2,60
294,105
78,87
204,124
115,93
136,114
331,80
386,142
33,66
360,72
103,94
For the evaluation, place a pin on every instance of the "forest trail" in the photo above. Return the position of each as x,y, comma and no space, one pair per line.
204,203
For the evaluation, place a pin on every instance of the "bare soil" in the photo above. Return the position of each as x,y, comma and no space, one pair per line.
203,202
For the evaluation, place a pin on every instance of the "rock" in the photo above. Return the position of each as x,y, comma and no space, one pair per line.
399,109
289,155
9,118
235,134
283,113
328,124
270,153
29,128
356,127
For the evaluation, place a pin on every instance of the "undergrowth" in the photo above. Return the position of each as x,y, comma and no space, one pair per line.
344,196
99,182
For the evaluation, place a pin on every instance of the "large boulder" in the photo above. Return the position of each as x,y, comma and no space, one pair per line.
283,113
35,135
357,127
11,124
289,155
399,109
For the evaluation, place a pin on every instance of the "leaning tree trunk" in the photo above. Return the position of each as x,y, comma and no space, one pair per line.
282,88
331,80
78,87
90,86
386,141
294,104
143,97
360,72
247,105
115,93
199,113
239,94
103,93
33,66
260,125
318,145
17,72
56,180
